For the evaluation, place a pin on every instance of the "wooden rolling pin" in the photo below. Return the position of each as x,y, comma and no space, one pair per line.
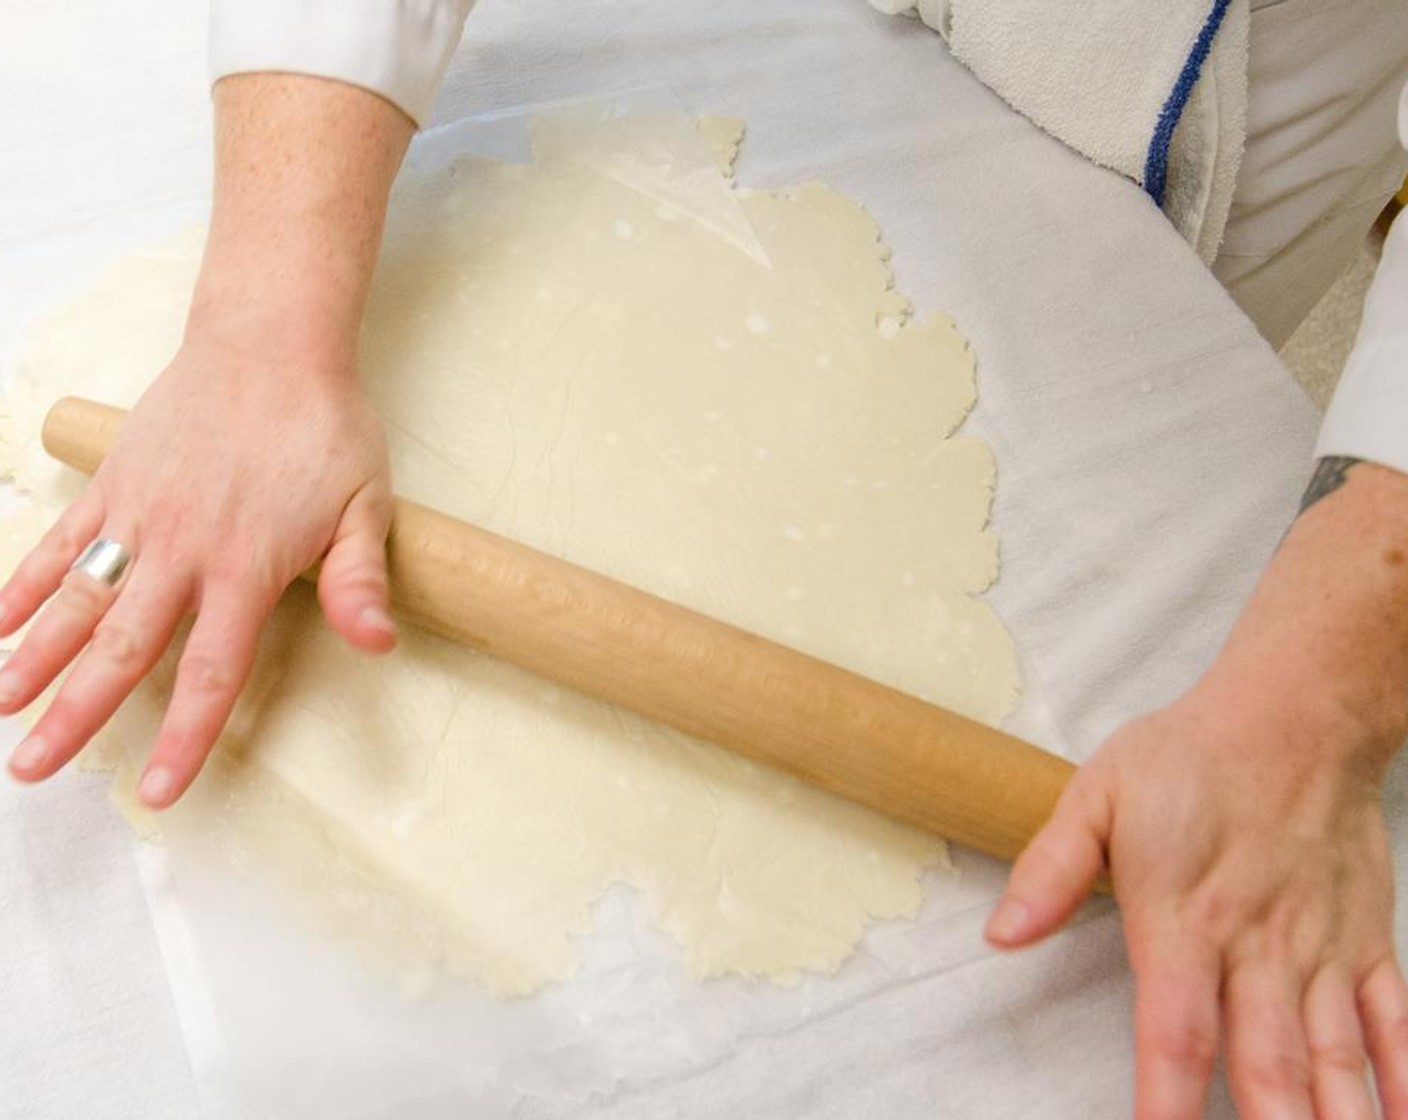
869,743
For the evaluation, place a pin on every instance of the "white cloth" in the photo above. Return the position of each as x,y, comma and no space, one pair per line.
82,982
1319,162
1136,504
1368,418
1322,157
1157,92
397,48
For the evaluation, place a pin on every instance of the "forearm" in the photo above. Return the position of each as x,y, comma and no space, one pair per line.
303,170
1323,642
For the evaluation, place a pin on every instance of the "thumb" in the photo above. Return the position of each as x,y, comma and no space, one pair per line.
1057,870
352,585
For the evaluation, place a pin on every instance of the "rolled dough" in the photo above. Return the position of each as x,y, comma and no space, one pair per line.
602,370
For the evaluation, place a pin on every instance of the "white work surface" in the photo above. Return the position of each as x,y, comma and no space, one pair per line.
1150,447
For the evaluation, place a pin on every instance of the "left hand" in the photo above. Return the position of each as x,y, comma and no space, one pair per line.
242,465
1251,864
253,455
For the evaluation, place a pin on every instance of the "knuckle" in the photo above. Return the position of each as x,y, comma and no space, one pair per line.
362,573
242,594
1048,857
1218,912
1278,1075
84,596
235,566
1394,1034
1340,1057
65,538
120,646
206,676
1187,1045
241,580
1089,795
364,577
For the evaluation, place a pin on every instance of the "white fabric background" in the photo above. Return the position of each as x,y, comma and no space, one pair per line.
1321,160
1150,451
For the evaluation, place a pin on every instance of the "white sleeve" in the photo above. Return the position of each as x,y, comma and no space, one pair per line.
397,48
1368,418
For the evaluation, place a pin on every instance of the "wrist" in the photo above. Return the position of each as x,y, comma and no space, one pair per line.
303,168
1311,716
1321,650
285,310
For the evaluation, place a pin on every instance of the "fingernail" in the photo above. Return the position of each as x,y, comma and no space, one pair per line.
156,786
1009,920
29,755
9,686
377,619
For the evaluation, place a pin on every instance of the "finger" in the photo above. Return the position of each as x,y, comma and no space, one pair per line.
127,643
1175,1028
352,586
1267,1061
56,638
42,570
217,660
1059,867
1383,1006
1338,1064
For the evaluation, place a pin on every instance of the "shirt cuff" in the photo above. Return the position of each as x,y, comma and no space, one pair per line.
396,48
1368,418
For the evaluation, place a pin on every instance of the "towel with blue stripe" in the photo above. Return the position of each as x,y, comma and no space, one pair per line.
1152,89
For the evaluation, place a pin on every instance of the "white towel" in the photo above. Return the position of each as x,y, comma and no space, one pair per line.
1153,89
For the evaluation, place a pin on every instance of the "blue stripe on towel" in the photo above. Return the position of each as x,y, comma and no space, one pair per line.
1156,163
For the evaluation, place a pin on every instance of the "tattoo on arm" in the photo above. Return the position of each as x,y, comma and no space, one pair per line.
1330,474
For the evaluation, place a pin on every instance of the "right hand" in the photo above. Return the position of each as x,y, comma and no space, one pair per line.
237,470
1252,868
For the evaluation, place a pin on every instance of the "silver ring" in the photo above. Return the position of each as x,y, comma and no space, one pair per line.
105,560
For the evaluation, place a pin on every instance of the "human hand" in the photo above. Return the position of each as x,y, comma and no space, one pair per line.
1250,861
249,458
237,470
